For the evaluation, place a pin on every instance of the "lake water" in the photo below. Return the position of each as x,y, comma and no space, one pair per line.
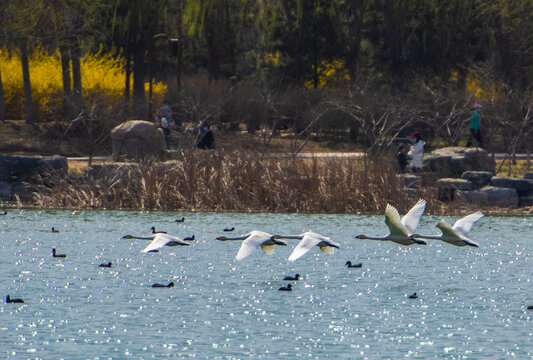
472,302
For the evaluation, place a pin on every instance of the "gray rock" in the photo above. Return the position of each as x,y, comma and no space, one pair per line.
429,179
525,200
476,197
18,168
455,184
413,193
447,188
491,196
26,191
454,161
518,184
477,178
137,139
409,180
6,191
528,176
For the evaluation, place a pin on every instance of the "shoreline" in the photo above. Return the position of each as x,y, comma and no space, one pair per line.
499,212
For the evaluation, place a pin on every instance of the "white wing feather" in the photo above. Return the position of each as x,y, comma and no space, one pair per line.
161,240
309,240
412,218
392,219
464,225
252,242
304,246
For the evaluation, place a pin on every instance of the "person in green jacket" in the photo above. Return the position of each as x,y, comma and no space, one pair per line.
475,125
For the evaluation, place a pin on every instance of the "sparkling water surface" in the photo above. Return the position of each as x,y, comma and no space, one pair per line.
472,302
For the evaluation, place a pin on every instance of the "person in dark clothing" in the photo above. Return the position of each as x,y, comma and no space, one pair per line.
164,118
206,140
402,159
475,126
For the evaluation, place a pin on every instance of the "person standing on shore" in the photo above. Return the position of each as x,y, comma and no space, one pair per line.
402,159
206,140
417,152
164,118
475,126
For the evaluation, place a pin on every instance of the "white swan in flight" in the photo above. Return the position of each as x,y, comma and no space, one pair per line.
401,230
456,234
158,241
308,240
252,241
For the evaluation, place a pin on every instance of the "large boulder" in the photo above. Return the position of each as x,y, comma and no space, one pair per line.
409,180
477,178
518,184
6,191
525,199
455,184
18,172
137,139
491,196
447,187
18,168
453,161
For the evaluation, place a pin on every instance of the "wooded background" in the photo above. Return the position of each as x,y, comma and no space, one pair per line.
369,70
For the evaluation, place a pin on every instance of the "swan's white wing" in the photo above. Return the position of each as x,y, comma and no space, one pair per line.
307,242
454,237
392,219
412,218
464,225
157,243
252,242
161,240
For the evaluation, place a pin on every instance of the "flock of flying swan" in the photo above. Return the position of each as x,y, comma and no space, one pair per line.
402,230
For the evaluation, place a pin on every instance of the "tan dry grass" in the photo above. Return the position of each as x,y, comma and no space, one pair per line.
231,181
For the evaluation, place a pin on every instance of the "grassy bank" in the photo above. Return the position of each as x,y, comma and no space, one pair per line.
232,181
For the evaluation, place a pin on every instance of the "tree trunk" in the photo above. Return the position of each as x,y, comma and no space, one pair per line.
394,15
28,100
2,101
357,8
65,72
216,39
139,74
180,45
76,76
127,85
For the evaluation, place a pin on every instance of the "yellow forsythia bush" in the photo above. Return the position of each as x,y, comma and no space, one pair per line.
101,74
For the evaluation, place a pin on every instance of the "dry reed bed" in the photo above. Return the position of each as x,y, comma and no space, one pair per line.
231,181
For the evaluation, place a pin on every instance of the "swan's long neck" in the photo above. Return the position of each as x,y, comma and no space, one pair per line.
366,237
292,237
138,237
225,238
433,237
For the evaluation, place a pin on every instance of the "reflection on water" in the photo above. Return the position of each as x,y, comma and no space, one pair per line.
471,301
